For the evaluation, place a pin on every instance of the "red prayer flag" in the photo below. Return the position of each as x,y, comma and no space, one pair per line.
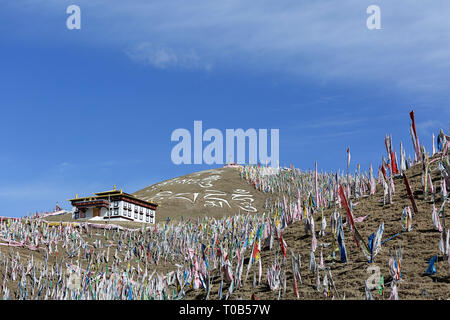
283,249
411,115
410,194
345,204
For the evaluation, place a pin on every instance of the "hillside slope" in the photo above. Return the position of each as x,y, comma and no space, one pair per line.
215,193
418,247
51,250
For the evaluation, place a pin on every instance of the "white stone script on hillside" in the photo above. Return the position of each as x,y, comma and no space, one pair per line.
208,197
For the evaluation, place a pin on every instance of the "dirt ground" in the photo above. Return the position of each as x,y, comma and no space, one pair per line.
215,193
418,245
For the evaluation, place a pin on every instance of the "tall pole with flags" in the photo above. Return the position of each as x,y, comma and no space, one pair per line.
109,208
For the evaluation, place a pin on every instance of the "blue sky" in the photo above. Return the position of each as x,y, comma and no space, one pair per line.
85,109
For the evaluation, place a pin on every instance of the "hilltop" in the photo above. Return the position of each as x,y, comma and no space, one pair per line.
204,250
214,193
418,245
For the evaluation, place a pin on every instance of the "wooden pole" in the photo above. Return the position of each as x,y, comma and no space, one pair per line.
410,194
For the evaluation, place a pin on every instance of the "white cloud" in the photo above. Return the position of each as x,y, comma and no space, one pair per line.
333,123
322,40
64,166
427,128
163,58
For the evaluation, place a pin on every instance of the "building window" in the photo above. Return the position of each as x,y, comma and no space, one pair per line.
116,212
141,217
116,203
146,218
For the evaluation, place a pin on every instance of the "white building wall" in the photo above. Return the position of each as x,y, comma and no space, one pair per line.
89,213
104,212
119,213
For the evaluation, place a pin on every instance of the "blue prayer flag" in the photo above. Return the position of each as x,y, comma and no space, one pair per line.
431,268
